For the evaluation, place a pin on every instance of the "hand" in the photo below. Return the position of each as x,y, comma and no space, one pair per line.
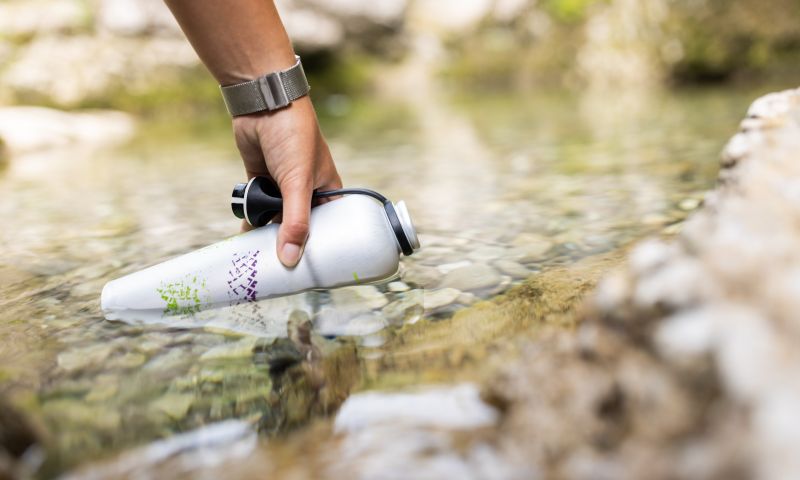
287,146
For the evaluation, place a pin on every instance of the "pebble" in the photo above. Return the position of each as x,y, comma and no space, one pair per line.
440,298
530,253
449,267
421,276
467,298
77,413
78,359
511,268
452,407
102,391
127,361
359,298
472,277
174,405
688,204
397,287
334,322
239,349
487,252
405,310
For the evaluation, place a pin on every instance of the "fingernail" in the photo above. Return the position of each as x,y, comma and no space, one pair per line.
290,254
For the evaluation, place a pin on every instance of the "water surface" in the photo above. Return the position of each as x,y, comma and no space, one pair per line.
500,187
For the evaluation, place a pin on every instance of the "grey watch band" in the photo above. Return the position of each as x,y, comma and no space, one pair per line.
272,91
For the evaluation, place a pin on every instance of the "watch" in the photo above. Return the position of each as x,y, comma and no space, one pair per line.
271,92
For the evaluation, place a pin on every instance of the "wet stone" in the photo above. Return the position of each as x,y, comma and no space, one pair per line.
333,322
511,268
127,361
239,349
397,287
278,354
79,359
174,405
435,299
421,276
102,392
473,277
531,247
466,298
408,309
449,267
359,298
688,204
79,414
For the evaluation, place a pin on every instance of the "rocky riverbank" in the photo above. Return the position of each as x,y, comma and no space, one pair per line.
683,363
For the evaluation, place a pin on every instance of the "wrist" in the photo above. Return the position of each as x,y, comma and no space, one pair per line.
270,92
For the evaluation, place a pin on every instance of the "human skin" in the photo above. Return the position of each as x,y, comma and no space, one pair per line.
239,40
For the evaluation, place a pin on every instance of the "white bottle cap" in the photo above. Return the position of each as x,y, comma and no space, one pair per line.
407,224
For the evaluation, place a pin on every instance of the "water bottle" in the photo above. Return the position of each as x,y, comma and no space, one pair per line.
356,239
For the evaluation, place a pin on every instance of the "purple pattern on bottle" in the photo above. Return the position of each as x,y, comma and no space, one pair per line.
242,281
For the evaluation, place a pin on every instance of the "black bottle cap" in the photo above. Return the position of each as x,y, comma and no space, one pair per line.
237,199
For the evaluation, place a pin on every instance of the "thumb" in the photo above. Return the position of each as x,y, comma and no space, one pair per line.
294,226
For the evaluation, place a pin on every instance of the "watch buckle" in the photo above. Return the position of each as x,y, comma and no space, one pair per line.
273,91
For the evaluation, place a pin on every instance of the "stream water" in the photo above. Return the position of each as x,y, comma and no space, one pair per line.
501,187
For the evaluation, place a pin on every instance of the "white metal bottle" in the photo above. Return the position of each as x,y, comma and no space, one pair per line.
352,240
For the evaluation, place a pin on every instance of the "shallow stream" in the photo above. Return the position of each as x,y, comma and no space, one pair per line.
500,187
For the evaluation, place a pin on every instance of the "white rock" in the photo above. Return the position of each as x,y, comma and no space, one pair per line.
689,334
358,298
511,268
457,407
472,277
442,297
449,267
397,287
331,321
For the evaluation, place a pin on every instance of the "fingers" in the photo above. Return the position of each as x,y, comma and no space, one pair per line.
294,226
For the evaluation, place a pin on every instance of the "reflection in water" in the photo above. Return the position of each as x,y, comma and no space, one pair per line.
501,187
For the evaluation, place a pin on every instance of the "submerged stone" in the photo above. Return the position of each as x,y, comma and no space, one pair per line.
231,350
472,277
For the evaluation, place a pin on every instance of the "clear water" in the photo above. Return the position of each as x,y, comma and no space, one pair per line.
514,183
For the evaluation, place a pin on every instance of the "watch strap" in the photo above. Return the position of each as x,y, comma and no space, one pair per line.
271,92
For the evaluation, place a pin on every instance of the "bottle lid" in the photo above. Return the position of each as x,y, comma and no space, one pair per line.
237,199
407,225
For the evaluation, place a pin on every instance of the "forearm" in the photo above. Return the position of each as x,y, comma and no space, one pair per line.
237,40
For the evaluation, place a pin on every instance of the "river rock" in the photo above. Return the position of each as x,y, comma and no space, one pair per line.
441,297
239,349
397,287
407,309
473,277
359,298
511,268
78,359
702,333
202,448
334,322
174,405
454,407
421,276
